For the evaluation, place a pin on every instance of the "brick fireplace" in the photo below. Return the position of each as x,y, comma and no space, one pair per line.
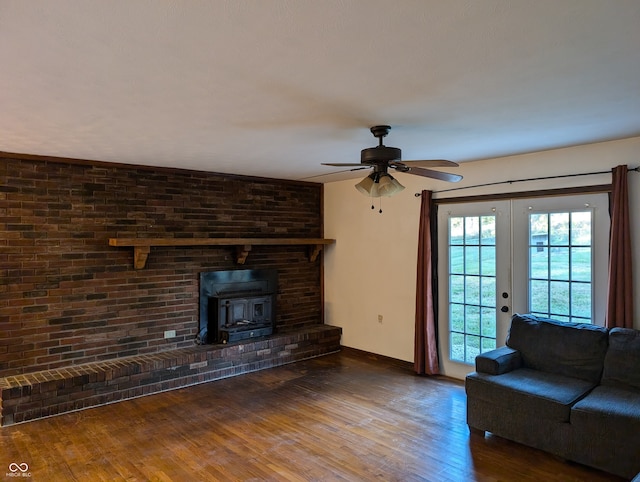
74,310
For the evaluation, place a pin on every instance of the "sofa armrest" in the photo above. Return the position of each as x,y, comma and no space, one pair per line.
498,361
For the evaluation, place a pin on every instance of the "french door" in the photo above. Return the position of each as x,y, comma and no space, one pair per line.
474,256
546,256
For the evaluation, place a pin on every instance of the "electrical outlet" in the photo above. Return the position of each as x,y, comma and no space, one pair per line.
379,318
170,334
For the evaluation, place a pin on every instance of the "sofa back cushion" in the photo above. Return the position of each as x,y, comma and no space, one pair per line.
622,363
571,349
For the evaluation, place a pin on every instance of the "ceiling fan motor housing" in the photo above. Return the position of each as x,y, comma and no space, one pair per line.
377,154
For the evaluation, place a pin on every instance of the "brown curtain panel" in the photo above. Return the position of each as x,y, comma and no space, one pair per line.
620,283
426,350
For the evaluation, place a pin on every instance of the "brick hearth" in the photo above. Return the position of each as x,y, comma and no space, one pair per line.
51,392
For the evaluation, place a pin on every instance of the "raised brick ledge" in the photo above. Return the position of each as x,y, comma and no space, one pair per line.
42,394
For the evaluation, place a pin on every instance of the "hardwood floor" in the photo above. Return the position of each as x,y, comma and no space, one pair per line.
343,417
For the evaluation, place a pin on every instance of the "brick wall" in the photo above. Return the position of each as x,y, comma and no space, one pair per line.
66,297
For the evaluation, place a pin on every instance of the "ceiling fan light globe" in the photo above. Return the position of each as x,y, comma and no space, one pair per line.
397,187
370,185
388,186
365,186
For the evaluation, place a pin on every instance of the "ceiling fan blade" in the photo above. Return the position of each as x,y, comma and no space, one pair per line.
332,173
343,164
442,176
428,163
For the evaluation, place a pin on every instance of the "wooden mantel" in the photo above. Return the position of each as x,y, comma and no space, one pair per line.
142,246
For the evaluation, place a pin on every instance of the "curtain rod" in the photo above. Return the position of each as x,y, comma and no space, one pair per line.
635,169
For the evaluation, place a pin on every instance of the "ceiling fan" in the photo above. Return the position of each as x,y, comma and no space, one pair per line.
381,158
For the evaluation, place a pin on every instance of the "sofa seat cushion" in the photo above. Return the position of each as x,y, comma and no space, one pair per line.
610,410
533,393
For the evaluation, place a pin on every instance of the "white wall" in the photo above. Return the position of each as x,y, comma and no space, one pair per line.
371,270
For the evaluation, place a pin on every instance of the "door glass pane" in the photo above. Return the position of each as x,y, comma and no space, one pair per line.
560,265
581,301
539,262
581,264
471,230
488,344
539,300
472,291
472,286
488,260
456,317
538,229
488,230
456,231
457,346
488,327
560,301
488,291
559,229
456,289
472,259
472,348
472,319
581,228
456,259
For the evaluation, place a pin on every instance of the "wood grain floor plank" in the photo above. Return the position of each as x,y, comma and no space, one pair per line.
343,417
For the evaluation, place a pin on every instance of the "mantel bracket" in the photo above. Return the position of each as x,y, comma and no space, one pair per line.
242,252
314,251
140,255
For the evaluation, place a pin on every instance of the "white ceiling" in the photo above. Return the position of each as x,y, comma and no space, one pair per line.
275,87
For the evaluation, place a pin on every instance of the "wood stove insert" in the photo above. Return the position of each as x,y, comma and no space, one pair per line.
236,305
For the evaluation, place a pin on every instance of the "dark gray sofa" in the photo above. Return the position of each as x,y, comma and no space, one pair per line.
567,388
